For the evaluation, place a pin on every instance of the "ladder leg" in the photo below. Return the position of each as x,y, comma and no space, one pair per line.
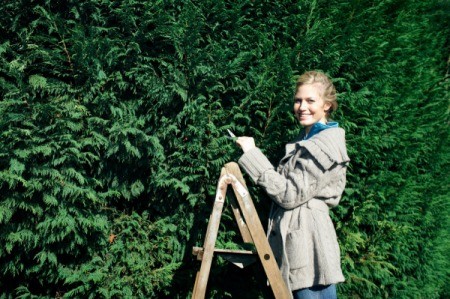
263,248
243,228
201,280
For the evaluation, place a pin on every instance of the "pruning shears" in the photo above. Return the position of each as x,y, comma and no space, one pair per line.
232,136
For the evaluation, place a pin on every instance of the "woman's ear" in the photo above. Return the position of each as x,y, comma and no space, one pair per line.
327,107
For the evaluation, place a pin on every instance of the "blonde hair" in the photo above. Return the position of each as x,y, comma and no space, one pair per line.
328,91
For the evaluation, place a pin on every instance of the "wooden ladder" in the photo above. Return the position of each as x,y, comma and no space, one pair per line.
250,228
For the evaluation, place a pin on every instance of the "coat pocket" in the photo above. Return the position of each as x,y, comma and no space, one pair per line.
297,249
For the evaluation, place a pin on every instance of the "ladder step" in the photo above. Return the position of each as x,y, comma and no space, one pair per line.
199,251
241,258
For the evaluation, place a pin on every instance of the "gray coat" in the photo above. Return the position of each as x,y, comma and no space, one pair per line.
309,179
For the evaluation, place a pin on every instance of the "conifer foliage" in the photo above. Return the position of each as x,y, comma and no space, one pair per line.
112,137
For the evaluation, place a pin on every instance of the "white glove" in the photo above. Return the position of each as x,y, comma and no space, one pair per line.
246,143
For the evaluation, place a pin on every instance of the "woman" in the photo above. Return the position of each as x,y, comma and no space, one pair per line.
308,181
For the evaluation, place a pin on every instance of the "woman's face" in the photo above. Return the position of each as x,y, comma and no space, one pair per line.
309,107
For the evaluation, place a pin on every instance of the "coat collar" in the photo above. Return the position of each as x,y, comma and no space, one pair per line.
317,127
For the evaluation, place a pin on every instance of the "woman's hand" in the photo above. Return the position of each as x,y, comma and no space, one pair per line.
246,143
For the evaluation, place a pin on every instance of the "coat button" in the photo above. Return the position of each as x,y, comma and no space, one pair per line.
273,233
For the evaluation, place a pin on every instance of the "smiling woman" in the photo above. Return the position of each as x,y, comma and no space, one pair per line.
309,180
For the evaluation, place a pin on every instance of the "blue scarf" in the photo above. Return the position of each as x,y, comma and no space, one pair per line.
318,126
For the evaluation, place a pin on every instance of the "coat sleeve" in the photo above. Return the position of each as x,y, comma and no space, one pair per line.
304,179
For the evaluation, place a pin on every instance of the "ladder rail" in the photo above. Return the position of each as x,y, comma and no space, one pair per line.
201,280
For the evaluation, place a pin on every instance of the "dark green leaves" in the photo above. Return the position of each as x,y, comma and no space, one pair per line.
113,124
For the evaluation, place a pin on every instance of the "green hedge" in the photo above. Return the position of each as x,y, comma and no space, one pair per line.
113,124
